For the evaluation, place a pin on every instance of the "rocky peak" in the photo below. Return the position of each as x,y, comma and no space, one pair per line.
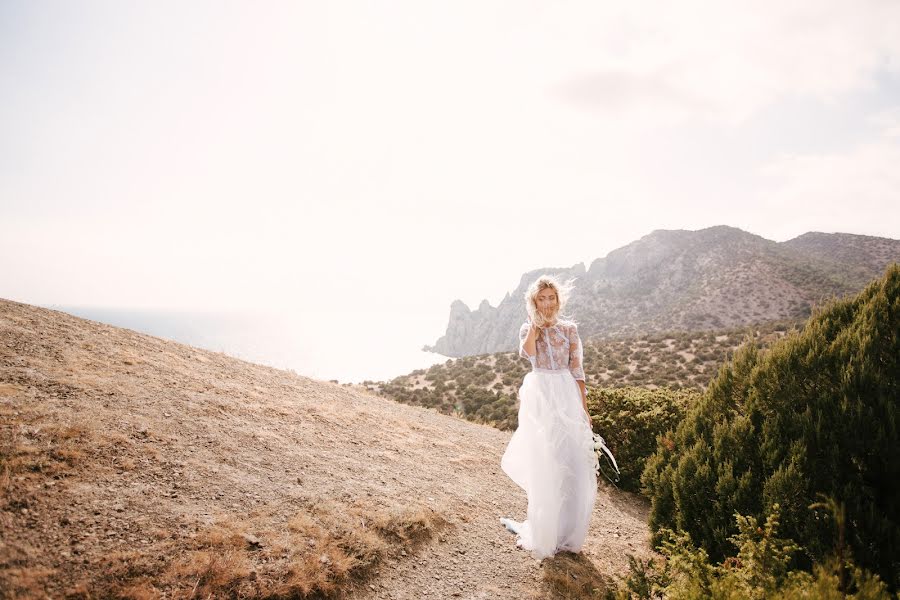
670,279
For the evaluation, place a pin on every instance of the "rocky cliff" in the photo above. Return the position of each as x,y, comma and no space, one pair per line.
685,280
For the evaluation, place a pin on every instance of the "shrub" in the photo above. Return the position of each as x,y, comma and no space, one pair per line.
759,571
816,413
631,418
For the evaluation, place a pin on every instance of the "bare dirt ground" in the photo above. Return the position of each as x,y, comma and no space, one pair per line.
132,466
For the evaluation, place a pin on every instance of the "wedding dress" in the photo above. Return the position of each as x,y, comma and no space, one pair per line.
551,454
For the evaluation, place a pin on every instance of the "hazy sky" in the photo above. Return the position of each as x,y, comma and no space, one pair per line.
389,157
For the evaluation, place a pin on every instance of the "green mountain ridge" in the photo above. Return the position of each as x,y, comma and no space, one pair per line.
484,388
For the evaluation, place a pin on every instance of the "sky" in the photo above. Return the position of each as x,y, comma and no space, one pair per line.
381,159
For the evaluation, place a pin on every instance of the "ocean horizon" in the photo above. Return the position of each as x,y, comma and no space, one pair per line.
346,348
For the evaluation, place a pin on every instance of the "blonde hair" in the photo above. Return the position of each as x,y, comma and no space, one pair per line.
563,291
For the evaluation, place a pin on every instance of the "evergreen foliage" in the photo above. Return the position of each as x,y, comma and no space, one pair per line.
759,571
815,413
632,419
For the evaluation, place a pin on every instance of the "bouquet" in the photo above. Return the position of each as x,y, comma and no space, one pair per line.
602,453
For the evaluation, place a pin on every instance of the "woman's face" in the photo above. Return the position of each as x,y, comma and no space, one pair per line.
547,302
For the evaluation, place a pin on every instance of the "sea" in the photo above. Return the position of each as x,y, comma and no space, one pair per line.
347,348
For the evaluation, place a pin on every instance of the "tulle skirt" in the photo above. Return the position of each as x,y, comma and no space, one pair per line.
551,457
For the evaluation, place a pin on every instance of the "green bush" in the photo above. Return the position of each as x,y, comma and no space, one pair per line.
631,418
759,570
816,413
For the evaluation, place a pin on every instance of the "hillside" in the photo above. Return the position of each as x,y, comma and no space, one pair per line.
484,388
137,467
715,278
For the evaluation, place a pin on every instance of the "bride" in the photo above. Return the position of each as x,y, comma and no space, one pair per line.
551,455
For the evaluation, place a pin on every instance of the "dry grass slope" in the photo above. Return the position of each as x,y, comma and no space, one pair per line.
106,493
135,467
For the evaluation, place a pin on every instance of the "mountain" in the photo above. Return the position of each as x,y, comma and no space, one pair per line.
484,388
137,467
668,280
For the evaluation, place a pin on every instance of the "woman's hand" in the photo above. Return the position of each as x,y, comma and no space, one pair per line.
583,389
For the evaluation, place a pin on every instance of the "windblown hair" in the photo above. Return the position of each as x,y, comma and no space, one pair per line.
563,291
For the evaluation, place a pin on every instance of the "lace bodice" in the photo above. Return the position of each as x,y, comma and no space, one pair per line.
557,347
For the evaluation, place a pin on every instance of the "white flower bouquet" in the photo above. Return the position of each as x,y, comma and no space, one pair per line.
603,453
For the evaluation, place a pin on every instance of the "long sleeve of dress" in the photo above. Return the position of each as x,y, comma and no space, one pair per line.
576,354
523,333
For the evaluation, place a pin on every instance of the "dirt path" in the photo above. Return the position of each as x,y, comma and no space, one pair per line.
152,443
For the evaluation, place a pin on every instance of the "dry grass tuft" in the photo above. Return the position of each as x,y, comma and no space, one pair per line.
79,591
25,582
227,532
409,526
139,591
214,573
27,446
210,565
324,552
335,545
569,576
61,433
129,565
30,444
320,571
214,562
132,574
329,548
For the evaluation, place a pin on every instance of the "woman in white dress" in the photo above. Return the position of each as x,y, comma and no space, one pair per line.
551,454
